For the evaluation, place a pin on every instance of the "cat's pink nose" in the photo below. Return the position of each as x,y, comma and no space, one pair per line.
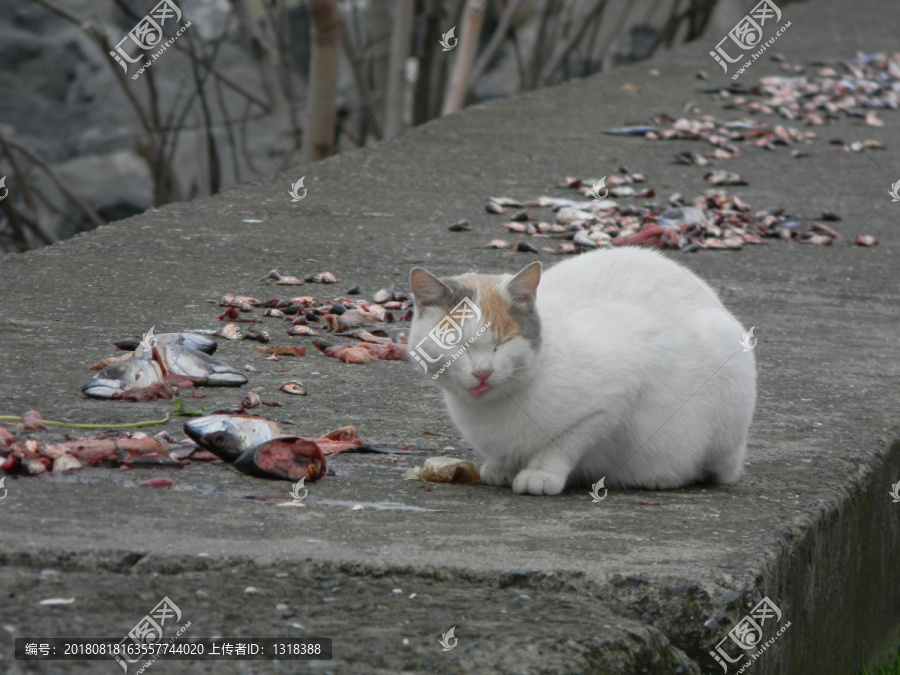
482,375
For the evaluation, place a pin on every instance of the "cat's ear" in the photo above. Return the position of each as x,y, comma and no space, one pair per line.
428,289
523,287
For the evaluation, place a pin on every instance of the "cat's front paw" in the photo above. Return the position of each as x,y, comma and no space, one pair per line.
538,482
493,473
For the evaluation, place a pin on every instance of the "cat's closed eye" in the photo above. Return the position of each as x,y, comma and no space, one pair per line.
503,342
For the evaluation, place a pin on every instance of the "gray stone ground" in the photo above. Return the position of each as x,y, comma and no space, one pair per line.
641,582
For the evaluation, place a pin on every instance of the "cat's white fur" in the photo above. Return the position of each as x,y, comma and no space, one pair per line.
639,376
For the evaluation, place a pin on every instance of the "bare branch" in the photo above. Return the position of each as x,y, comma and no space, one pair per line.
287,134
357,64
318,140
497,40
379,50
468,46
563,50
82,205
432,16
395,96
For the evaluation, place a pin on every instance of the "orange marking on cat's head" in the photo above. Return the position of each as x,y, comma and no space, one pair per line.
493,305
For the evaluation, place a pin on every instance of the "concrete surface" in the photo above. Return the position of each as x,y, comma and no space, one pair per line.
643,582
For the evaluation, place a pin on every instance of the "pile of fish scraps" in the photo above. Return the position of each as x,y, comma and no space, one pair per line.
853,88
849,88
714,220
343,316
254,445
30,450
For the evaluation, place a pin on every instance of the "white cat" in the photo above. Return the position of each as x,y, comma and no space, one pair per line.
617,363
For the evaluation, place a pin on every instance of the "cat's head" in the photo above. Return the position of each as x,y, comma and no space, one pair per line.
476,335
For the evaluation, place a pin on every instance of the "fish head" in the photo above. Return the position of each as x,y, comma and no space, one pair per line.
227,436
475,334
116,378
219,434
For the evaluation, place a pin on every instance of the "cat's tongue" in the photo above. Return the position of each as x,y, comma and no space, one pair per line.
480,389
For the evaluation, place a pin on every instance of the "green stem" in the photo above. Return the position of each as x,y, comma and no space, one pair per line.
132,425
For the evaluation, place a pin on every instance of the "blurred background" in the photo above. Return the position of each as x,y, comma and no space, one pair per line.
111,107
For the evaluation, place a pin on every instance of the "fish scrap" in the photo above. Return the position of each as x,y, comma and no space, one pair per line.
293,387
283,351
229,436
279,279
287,458
444,470
368,350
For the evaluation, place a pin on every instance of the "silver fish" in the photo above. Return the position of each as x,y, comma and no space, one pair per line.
689,215
582,239
567,214
200,368
383,295
228,436
555,202
126,374
506,201
639,130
